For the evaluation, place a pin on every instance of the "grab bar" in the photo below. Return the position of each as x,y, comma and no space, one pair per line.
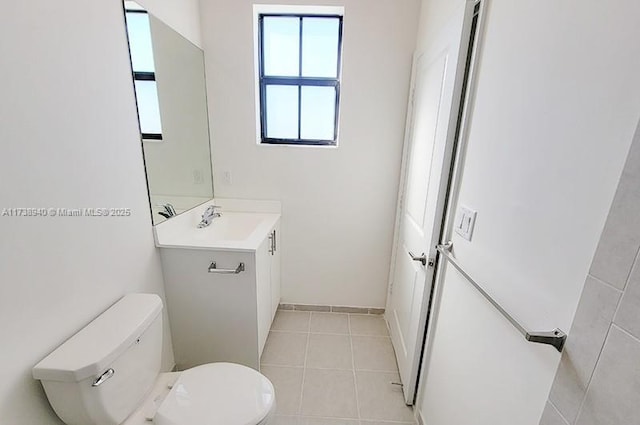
214,269
555,337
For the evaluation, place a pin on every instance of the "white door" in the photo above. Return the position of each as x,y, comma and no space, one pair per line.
436,90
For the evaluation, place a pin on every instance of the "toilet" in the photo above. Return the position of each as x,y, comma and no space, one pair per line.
109,374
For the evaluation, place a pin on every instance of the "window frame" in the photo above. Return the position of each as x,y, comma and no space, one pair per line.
299,81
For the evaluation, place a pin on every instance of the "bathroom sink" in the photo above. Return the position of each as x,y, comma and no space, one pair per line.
240,231
231,227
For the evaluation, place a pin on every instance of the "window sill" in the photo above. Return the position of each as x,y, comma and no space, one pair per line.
297,145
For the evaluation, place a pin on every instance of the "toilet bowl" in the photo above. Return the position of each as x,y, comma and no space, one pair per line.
109,374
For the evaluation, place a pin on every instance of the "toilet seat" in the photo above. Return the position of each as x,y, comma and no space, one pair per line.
217,394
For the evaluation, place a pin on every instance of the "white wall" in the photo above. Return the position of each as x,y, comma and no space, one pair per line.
181,15
338,204
69,138
555,108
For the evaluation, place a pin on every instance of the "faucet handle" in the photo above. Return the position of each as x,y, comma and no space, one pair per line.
208,215
211,209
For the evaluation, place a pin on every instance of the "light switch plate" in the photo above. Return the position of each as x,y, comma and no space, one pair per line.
465,220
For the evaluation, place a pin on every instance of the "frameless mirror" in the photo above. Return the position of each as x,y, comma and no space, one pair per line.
169,81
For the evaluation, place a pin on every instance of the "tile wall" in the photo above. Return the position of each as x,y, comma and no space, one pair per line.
598,380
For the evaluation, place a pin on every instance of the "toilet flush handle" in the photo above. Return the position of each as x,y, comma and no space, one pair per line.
108,374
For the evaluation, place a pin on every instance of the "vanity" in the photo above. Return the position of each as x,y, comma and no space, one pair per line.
222,281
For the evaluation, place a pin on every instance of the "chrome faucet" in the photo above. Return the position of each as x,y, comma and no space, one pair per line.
168,210
208,216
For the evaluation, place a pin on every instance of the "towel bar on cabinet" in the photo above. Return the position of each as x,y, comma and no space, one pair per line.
213,268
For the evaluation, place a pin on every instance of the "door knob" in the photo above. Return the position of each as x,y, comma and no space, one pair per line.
422,258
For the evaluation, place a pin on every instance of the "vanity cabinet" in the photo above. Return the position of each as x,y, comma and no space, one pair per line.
222,317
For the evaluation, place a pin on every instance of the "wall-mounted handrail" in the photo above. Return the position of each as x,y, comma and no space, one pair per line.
555,337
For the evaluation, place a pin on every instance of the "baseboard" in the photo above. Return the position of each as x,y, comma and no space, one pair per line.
331,308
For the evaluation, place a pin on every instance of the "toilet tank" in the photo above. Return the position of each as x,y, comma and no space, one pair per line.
123,346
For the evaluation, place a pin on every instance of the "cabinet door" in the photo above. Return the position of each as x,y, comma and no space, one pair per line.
263,292
212,316
275,270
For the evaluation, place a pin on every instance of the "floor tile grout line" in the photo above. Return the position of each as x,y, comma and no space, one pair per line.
387,371
326,333
330,368
304,366
346,419
363,421
281,365
371,336
353,365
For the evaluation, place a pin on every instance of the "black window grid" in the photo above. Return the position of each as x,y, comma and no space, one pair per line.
297,81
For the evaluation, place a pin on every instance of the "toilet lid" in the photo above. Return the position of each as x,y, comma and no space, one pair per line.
217,394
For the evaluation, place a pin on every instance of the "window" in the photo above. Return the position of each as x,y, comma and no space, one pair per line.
299,58
144,76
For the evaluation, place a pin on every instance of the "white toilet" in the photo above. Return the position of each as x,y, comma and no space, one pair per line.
109,374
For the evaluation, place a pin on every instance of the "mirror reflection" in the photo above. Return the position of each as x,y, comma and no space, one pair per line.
169,80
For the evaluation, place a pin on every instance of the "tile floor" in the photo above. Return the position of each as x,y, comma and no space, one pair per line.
333,369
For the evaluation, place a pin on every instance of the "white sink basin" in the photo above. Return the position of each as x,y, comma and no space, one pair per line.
242,231
230,227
